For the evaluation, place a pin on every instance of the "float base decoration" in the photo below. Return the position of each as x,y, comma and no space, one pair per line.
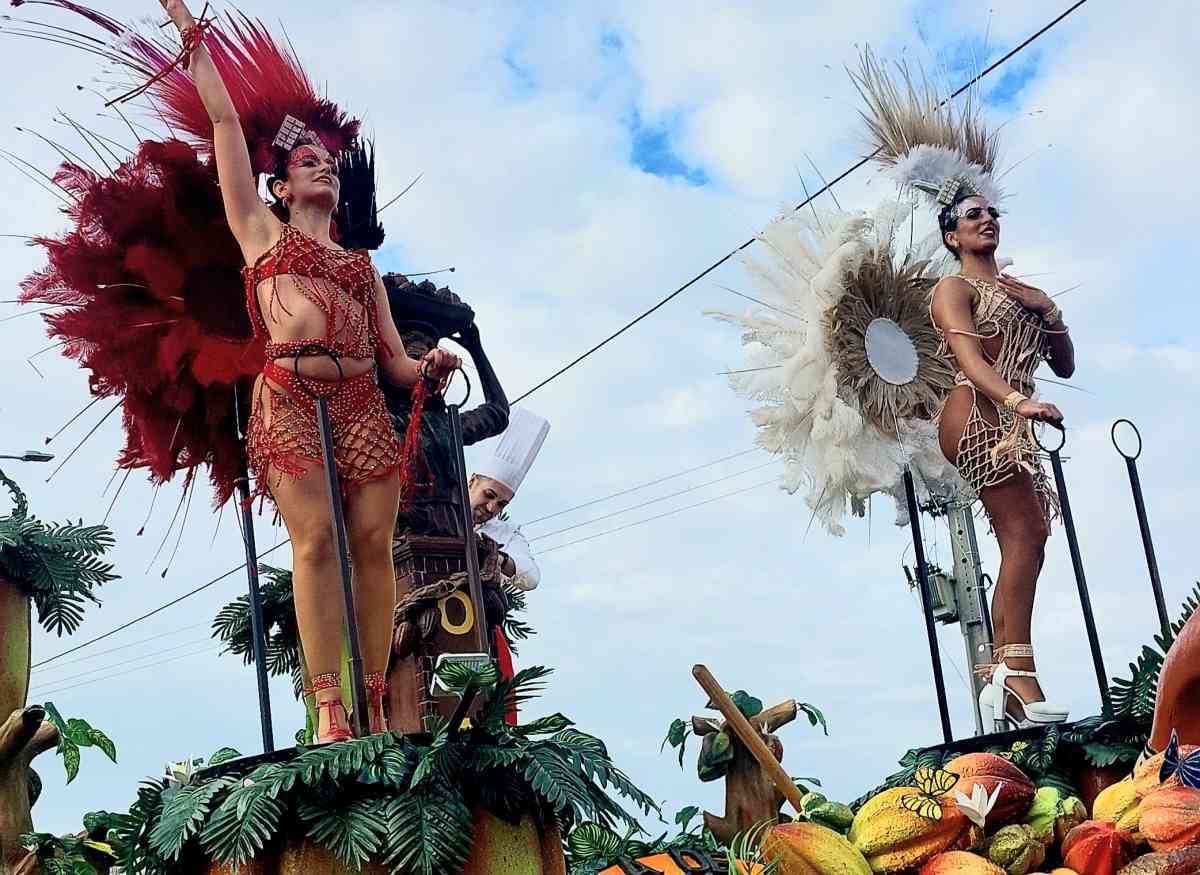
488,798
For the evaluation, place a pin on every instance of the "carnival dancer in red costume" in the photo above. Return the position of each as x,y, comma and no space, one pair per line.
152,305
306,294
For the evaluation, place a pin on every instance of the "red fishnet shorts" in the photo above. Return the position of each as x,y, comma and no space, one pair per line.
283,437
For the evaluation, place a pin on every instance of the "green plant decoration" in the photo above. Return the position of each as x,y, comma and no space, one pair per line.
232,627
57,569
592,847
75,734
1113,737
404,802
58,565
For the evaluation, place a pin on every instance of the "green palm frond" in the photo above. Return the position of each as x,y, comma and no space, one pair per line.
243,823
57,564
354,832
429,832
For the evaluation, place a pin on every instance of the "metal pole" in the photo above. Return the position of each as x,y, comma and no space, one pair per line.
468,524
257,632
1085,600
971,595
914,522
358,688
358,685
1139,505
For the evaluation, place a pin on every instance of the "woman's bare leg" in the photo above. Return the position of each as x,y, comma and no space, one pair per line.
1019,521
1178,704
370,521
304,505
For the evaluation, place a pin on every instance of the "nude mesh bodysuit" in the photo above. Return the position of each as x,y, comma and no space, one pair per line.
990,454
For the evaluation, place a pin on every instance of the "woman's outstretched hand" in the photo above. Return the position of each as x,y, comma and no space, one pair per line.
1026,295
1040,411
178,12
438,364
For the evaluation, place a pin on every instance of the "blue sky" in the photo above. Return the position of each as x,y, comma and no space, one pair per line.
579,162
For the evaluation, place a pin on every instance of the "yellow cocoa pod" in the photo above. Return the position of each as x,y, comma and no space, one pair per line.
894,839
812,849
1118,803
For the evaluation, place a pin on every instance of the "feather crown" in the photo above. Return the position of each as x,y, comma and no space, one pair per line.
925,141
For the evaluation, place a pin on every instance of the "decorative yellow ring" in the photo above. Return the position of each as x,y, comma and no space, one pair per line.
468,622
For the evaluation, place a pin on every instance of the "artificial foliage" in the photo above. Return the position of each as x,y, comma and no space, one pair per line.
1113,737
284,655
58,564
75,734
232,626
407,802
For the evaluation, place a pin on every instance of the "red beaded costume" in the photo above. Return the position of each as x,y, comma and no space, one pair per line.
150,272
283,438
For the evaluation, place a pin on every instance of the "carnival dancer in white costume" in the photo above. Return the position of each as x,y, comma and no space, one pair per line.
493,486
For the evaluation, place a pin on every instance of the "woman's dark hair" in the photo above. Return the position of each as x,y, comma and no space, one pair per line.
948,220
279,173
357,217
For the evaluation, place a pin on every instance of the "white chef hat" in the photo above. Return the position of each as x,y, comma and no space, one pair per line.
516,449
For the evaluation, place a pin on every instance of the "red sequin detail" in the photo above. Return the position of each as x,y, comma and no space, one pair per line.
283,437
340,282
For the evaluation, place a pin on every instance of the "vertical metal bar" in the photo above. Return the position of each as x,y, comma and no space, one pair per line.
468,524
357,680
1139,505
939,682
257,633
972,600
1085,600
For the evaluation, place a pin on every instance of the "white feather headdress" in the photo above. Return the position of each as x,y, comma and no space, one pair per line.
926,141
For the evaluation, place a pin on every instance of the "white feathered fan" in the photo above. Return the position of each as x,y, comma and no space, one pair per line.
844,361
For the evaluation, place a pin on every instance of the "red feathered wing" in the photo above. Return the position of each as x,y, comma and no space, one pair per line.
155,308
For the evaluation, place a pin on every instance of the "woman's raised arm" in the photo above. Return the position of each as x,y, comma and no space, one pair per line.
251,222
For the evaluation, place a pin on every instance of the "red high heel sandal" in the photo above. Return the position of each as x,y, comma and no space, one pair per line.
338,730
376,684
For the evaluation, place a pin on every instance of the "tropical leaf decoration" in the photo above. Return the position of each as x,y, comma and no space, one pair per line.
284,655
592,847
1114,737
232,626
405,802
68,855
75,734
58,564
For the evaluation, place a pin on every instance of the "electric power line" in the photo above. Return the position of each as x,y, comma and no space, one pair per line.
136,658
807,200
124,646
58,690
773,480
149,614
655,500
641,486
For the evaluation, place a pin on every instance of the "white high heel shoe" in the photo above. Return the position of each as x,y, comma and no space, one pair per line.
997,693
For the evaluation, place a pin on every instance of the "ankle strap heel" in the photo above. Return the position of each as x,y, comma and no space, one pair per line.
377,687
339,729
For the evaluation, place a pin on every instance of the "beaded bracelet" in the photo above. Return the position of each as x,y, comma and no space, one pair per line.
1013,400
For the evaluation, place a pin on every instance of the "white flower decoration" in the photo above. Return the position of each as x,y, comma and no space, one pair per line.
978,804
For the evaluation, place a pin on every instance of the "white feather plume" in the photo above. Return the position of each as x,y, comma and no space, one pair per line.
832,453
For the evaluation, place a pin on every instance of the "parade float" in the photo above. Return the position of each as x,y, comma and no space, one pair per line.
844,362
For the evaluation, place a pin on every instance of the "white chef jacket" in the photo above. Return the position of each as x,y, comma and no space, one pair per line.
512,542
